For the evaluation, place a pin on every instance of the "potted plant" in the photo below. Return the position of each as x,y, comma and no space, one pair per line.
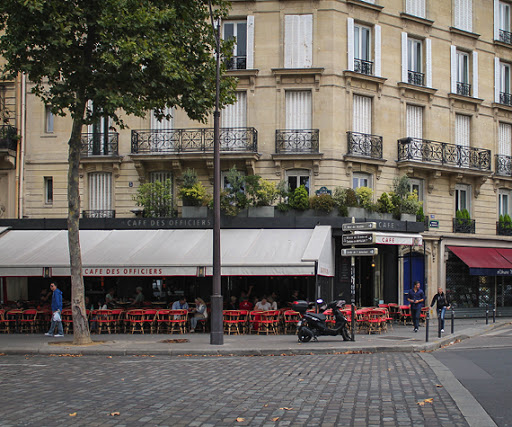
156,199
233,200
299,199
193,195
261,194
385,206
340,201
405,201
322,203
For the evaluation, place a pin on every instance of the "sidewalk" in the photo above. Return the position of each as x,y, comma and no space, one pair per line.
399,339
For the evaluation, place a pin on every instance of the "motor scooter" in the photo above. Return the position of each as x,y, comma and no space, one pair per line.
312,325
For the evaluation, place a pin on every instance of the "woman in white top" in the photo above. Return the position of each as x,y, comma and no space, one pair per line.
263,305
200,312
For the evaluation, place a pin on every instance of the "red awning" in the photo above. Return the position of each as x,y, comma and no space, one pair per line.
475,257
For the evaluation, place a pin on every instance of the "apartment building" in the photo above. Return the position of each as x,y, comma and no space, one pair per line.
331,93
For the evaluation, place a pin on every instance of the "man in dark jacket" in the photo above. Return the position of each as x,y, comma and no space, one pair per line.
442,305
416,297
56,312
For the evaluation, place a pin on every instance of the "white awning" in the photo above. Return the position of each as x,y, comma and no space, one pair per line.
406,239
244,252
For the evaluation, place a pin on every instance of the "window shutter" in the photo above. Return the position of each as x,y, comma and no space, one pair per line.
298,109
404,57
100,191
462,130
250,42
362,121
457,15
290,39
468,9
504,139
164,124
414,121
307,48
453,63
496,19
377,50
497,79
235,115
428,60
475,74
350,44
298,41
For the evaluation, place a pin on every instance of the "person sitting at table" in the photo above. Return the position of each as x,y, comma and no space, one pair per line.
246,305
109,298
44,297
245,295
139,297
233,303
200,312
272,303
263,305
181,304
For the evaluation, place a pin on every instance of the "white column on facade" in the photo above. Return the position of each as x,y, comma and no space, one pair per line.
453,68
404,58
350,44
378,55
428,61
250,42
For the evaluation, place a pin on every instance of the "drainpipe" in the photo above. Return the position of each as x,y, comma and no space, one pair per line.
23,132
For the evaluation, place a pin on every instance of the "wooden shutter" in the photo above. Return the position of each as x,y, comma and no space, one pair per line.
298,41
164,124
496,19
378,59
250,42
362,120
100,191
415,7
235,115
350,44
462,130
428,61
504,139
475,74
463,15
414,121
497,80
404,58
453,68
298,109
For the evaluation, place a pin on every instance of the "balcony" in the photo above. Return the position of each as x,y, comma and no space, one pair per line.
99,213
294,141
363,67
505,36
8,139
415,78
445,154
100,144
464,225
503,228
236,63
176,141
463,89
364,145
503,165
506,98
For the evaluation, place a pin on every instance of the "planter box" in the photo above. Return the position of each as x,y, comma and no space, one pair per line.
261,212
194,211
356,213
408,217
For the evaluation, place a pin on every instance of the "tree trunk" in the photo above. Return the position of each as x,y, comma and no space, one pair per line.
81,333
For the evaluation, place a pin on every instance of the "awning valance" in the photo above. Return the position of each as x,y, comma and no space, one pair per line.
244,252
485,261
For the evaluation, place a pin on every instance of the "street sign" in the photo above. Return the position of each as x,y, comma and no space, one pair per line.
358,239
352,226
433,224
360,252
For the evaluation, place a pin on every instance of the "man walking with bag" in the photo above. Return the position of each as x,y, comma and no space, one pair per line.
56,312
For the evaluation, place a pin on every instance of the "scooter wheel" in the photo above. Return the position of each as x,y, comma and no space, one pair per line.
305,335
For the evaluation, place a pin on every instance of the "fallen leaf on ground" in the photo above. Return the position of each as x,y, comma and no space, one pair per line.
429,400
109,357
301,379
286,409
240,419
265,405
275,418
439,385
114,414
73,414
2,354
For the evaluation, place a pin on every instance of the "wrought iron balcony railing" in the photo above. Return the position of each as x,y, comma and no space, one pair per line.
364,145
463,89
171,141
297,141
506,98
363,67
99,213
416,78
8,138
442,153
236,63
100,144
503,165
505,36
462,225
503,228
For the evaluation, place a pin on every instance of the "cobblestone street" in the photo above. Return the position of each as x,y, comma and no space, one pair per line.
326,390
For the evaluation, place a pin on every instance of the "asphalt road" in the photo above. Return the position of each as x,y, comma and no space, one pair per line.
483,365
386,389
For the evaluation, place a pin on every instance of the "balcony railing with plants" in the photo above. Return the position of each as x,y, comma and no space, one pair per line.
99,213
170,141
236,63
364,145
506,98
505,36
416,78
443,153
364,67
504,227
100,144
463,89
8,137
297,141
462,223
503,165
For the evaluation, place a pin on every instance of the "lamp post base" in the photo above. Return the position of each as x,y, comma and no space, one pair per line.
217,328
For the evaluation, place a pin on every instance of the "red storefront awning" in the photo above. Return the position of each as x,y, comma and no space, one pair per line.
485,261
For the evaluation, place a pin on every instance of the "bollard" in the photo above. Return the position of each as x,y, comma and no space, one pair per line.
494,313
453,318
353,321
438,324
427,321
487,314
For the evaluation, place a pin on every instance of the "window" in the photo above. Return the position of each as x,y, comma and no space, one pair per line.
463,15
235,115
164,124
362,120
362,49
243,33
502,22
364,54
100,191
160,176
417,185
99,138
415,7
360,179
48,190
414,131
298,41
504,139
462,138
48,122
461,69
297,177
416,61
298,109
461,197
504,202
502,82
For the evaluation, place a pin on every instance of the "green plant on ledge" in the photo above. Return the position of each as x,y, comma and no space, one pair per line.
365,198
299,199
156,199
260,192
192,192
385,204
322,203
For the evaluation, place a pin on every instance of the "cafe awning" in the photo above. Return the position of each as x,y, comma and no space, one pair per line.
183,252
485,261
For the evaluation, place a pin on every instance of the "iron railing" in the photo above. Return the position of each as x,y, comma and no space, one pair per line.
8,138
463,225
416,78
297,141
99,213
505,98
503,165
505,36
443,153
193,140
100,144
365,145
236,63
503,228
363,67
463,89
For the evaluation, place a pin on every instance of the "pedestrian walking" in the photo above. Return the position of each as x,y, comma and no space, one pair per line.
56,312
442,305
416,297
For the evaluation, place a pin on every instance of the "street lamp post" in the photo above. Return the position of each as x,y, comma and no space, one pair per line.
217,332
